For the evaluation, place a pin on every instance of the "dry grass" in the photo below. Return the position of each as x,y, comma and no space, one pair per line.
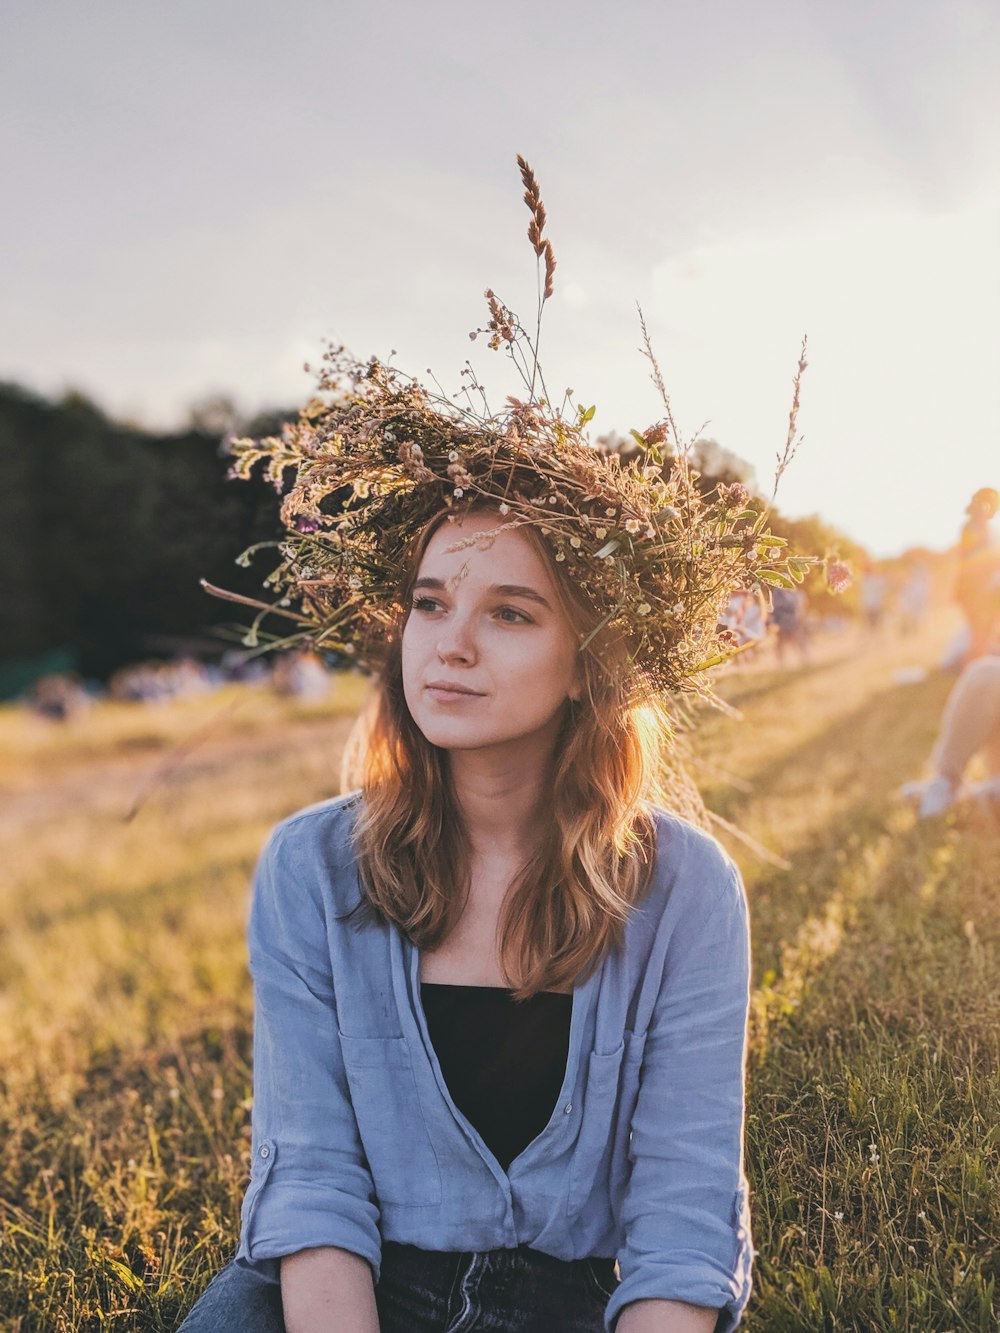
872,1134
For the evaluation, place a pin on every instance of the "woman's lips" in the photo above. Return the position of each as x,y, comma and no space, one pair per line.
447,694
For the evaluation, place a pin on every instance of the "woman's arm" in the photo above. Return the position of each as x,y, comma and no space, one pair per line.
687,1242
666,1317
326,1289
311,1187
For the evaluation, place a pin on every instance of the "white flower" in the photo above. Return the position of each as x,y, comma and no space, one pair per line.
552,499
453,456
651,533
610,513
458,492
560,556
632,525
574,542
677,608
600,533
505,509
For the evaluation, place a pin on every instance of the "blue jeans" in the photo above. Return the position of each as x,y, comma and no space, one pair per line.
427,1291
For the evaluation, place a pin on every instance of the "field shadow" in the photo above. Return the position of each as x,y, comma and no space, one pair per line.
823,770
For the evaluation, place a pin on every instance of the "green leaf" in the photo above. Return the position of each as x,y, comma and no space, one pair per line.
587,414
774,579
798,567
639,439
125,1274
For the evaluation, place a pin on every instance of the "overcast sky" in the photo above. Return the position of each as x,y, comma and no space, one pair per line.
198,192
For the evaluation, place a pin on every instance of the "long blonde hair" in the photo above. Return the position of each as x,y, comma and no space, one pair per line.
567,907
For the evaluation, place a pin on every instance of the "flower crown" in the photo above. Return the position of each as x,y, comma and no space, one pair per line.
376,456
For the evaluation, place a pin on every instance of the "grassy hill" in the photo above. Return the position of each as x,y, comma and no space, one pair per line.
873,1132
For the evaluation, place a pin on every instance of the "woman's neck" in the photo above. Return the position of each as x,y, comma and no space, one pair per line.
502,799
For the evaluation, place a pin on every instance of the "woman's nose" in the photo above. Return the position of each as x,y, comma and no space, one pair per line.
456,642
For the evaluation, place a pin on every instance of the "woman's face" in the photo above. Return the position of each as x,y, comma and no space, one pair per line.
488,655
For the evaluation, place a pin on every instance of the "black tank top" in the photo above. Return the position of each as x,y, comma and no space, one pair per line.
503,1062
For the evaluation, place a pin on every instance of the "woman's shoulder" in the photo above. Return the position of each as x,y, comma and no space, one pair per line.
692,868
321,819
316,838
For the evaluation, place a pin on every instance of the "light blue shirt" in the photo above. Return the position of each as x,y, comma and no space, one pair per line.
356,1139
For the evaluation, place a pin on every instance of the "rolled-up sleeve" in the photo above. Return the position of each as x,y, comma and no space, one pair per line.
685,1216
310,1183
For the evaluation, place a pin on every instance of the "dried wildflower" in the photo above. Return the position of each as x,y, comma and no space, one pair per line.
376,456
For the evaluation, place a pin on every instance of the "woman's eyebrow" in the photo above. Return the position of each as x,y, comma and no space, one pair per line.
502,589
518,590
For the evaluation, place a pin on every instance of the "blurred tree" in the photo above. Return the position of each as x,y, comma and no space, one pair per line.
105,531
215,414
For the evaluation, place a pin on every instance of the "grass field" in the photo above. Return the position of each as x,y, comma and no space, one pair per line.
873,1131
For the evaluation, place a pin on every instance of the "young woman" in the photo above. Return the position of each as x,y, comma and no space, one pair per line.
500,996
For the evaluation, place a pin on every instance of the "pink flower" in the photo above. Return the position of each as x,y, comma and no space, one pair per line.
839,576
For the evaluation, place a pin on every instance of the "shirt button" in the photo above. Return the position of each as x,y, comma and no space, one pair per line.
265,1151
567,1108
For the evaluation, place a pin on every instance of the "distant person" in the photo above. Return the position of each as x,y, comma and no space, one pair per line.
874,590
788,616
745,618
970,724
978,567
58,698
913,598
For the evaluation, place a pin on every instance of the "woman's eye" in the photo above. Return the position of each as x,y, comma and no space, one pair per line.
512,616
424,604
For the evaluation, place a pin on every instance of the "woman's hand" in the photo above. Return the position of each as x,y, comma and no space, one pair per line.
328,1288
666,1317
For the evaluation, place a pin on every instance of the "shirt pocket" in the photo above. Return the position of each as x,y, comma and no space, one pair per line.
391,1123
597,1116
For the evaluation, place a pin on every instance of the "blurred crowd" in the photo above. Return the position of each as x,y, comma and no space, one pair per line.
63,696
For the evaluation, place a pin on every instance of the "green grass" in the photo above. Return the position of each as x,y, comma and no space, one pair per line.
873,1127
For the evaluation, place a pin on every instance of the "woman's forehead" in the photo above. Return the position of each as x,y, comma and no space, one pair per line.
488,549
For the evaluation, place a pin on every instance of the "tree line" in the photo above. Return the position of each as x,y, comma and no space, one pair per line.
105,531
